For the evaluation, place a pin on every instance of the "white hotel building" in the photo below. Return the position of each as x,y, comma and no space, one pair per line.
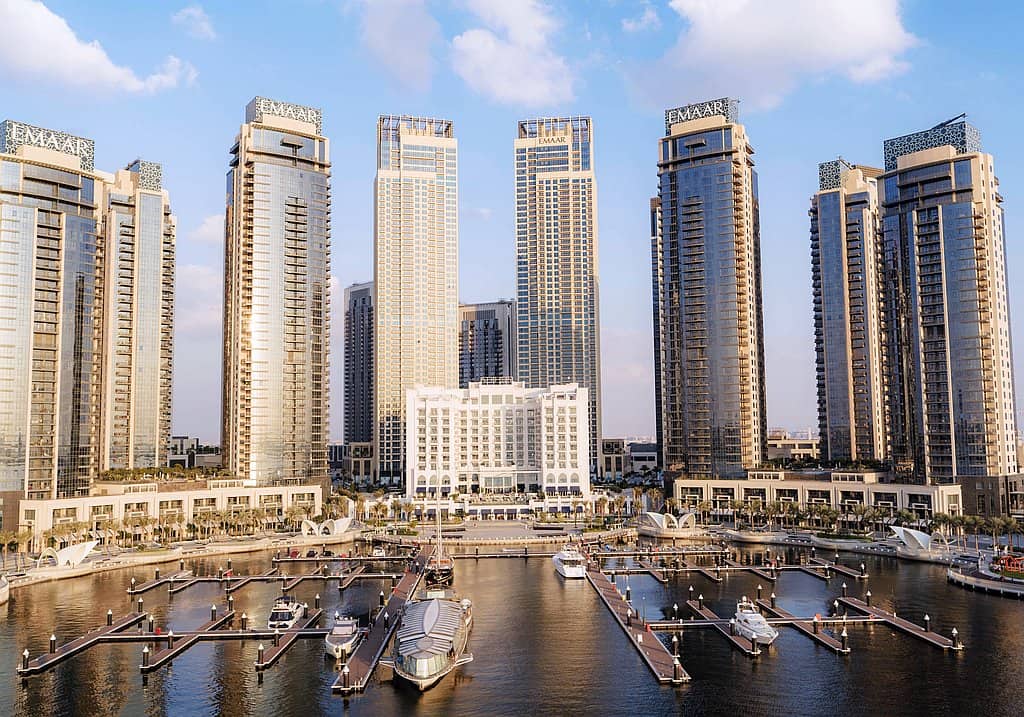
497,437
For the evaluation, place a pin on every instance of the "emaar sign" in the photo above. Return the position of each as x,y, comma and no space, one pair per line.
17,134
724,106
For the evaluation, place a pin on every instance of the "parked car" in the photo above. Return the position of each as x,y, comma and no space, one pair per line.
310,553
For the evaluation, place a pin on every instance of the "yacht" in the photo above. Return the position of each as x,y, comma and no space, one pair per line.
569,562
5,589
344,636
439,570
752,625
285,613
379,552
432,638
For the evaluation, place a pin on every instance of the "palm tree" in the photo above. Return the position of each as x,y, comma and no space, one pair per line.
601,504
620,504
396,508
293,515
6,538
704,507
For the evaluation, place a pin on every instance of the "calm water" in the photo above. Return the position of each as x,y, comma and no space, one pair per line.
542,646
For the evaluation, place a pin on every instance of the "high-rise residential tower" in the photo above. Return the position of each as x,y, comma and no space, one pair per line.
139,234
557,302
86,296
951,390
706,269
487,341
359,325
846,269
277,296
416,274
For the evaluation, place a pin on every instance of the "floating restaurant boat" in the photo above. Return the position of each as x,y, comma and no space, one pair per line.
285,613
341,641
752,625
432,638
569,562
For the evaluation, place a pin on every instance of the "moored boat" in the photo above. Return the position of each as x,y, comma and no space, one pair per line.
752,625
343,638
285,613
432,638
569,562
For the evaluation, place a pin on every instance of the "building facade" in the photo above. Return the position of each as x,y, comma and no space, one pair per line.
86,293
706,278
950,373
498,437
277,296
846,270
359,326
487,341
557,298
415,272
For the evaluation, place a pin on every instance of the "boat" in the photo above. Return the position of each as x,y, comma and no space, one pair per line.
341,641
5,589
285,613
752,625
432,638
439,569
379,552
569,562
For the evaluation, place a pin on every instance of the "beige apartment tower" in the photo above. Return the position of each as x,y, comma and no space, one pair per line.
87,300
416,274
849,337
277,296
557,301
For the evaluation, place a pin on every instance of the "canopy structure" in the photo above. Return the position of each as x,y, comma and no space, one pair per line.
918,540
71,556
664,521
330,526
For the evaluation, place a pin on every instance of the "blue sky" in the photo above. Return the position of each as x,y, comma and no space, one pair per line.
168,81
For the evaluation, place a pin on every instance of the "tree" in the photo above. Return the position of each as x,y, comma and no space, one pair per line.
294,515
620,504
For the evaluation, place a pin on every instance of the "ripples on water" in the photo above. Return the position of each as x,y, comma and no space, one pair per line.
542,646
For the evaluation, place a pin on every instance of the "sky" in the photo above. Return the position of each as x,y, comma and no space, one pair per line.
816,79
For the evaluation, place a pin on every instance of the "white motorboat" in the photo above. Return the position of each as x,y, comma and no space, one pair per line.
752,625
569,562
285,613
5,589
344,636
379,552
432,638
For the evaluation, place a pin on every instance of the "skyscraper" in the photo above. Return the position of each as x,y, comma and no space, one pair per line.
557,303
487,341
359,324
277,296
951,391
86,294
706,275
415,272
139,234
846,268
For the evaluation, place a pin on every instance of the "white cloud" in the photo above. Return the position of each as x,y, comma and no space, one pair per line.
648,20
39,44
400,35
760,51
482,213
199,301
196,22
209,231
511,60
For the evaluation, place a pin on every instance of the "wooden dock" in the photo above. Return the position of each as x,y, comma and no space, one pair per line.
350,577
79,644
285,640
290,584
525,553
654,572
759,572
840,568
898,623
700,570
156,582
723,626
662,663
811,628
240,583
363,661
159,658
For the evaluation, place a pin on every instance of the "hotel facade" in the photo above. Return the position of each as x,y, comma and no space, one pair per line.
557,297
498,437
416,274
706,278
277,297
87,293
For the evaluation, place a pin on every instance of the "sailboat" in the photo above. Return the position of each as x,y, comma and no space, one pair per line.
440,568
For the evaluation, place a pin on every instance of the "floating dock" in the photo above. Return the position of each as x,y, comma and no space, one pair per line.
270,655
905,626
811,628
79,644
159,658
724,626
136,589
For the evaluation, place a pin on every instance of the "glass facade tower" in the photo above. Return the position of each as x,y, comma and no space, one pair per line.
359,324
557,297
277,296
950,369
706,275
416,274
86,296
846,268
487,341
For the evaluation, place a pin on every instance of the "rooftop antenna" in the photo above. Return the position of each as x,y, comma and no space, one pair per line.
962,115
